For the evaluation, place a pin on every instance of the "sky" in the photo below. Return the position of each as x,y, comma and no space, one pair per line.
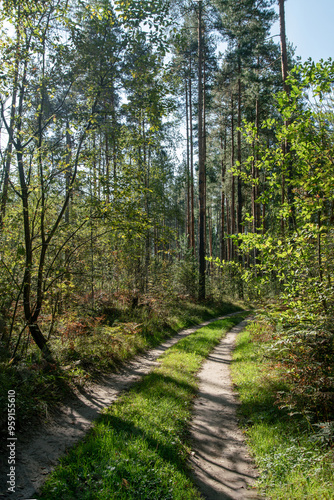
310,28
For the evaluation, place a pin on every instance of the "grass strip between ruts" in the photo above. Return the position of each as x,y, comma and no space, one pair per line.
138,448
293,462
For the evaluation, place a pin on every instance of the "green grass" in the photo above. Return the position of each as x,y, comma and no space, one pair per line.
86,347
292,456
138,448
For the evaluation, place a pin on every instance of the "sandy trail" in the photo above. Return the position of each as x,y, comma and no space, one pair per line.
220,462
38,450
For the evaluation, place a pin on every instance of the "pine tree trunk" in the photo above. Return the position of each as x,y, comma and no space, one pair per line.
210,236
284,59
287,168
239,188
188,216
191,166
107,167
228,231
223,172
201,161
233,178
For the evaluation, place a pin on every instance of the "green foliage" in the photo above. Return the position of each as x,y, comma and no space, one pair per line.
293,258
294,457
87,345
89,177
139,447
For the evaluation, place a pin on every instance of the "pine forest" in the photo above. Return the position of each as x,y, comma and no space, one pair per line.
164,163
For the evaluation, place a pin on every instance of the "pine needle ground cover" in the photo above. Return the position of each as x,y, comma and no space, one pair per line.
139,447
295,458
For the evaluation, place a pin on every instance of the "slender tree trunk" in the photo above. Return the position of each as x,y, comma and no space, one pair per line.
147,203
204,131
284,59
287,167
284,67
9,149
263,218
319,250
223,172
255,171
201,161
228,231
210,236
107,167
68,173
32,311
233,178
191,166
30,314
239,181
188,216
92,265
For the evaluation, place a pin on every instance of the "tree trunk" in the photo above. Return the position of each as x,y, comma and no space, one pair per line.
107,167
239,188
188,216
210,236
201,161
239,181
223,172
287,168
191,166
68,173
204,136
228,231
284,59
9,149
147,203
233,178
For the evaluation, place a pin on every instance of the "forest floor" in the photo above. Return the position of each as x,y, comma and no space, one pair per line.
223,475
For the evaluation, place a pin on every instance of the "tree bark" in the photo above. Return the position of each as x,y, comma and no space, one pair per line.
223,172
228,230
201,161
284,59
233,178
188,216
9,149
191,166
239,182
68,173
287,167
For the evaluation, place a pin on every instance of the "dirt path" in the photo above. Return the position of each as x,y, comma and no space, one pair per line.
38,450
220,461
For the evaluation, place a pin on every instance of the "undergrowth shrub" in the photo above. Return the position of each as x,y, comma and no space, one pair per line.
290,438
304,351
307,353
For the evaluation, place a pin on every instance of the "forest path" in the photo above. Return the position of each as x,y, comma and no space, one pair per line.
221,465
37,450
